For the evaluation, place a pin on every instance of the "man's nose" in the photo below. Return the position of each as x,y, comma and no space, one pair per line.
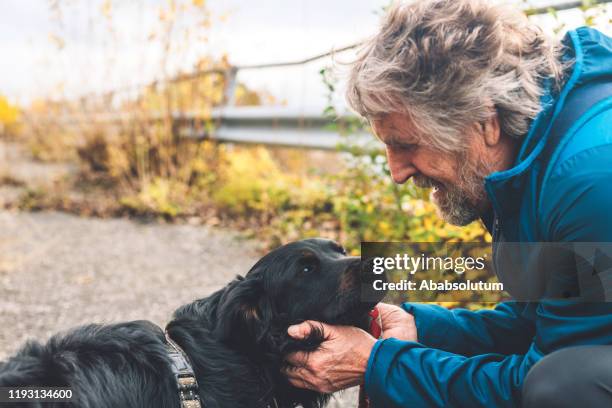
400,165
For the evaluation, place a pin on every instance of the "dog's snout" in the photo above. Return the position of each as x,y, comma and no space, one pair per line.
367,265
368,273
350,276
359,271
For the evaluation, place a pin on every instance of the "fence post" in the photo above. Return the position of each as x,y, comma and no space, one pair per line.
229,95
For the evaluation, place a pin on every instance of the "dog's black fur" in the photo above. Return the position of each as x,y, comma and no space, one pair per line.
236,339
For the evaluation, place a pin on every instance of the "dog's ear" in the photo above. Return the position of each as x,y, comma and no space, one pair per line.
240,310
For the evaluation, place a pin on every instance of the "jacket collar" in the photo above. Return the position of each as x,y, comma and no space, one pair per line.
505,188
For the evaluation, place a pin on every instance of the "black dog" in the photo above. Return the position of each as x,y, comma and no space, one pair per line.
236,339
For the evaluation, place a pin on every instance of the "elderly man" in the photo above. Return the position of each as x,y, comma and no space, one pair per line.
512,128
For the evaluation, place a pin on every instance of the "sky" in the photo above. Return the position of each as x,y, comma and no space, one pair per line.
95,59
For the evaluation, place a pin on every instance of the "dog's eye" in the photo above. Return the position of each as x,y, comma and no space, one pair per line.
308,268
308,263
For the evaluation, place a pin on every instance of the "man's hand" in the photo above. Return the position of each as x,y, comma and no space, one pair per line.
342,359
397,323
340,362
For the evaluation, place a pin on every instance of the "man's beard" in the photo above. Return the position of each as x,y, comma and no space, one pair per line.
458,204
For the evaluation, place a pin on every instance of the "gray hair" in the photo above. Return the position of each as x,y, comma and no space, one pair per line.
449,64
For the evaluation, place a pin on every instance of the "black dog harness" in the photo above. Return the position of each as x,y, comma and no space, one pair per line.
184,375
186,379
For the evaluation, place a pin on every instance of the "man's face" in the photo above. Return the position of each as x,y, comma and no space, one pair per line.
457,179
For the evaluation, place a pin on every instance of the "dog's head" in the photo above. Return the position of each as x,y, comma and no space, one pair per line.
312,279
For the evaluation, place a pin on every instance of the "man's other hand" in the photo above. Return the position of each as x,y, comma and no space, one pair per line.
397,323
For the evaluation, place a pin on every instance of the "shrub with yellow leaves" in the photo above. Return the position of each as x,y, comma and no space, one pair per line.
9,117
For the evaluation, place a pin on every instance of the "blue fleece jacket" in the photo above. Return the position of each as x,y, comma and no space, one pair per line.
558,191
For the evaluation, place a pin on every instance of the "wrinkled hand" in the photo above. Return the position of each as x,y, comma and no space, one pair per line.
339,363
397,323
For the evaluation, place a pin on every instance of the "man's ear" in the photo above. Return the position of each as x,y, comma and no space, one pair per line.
238,312
491,131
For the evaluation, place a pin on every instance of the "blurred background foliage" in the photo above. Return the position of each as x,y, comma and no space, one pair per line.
139,166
